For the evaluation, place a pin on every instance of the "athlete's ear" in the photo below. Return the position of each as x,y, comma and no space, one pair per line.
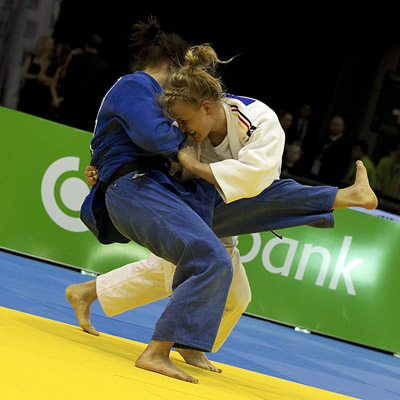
206,105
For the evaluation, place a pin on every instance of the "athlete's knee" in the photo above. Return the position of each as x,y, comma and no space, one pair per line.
240,295
240,292
230,244
225,268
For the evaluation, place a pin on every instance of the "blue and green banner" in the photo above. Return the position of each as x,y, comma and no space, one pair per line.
341,282
42,168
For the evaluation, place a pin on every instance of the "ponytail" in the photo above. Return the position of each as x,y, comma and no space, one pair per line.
197,80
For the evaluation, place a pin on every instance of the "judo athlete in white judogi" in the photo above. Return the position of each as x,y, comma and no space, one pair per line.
243,167
238,146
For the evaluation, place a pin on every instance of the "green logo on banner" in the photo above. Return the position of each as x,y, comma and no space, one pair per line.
71,193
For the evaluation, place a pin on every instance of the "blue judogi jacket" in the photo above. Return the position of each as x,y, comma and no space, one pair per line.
130,127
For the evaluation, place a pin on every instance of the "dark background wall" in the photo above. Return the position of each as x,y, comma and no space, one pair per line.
331,58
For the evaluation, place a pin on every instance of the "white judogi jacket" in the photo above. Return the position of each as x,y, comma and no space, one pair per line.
253,151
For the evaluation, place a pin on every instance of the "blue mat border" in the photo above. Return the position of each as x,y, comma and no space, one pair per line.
37,287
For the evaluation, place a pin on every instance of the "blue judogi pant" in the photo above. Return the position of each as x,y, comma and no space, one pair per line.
173,221
284,204
161,217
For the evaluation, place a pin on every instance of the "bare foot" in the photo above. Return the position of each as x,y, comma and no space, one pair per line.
366,195
155,358
81,296
359,194
198,359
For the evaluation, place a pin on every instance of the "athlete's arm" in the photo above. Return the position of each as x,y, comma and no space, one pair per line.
188,159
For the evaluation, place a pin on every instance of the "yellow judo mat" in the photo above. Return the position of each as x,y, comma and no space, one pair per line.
45,359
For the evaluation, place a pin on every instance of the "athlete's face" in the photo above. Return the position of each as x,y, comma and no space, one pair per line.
193,121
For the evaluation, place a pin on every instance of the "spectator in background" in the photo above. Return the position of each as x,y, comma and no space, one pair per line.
302,130
47,74
60,54
292,162
359,151
85,83
388,174
34,97
56,87
332,154
285,119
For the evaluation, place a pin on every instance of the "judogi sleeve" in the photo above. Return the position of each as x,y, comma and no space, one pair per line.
132,103
259,161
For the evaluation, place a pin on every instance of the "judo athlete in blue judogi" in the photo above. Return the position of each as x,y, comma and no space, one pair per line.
137,199
171,219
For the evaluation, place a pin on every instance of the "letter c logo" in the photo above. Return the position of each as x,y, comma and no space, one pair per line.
72,193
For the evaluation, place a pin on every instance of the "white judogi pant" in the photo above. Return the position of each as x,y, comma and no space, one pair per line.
149,280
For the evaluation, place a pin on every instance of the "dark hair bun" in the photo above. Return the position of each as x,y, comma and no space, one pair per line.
145,33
